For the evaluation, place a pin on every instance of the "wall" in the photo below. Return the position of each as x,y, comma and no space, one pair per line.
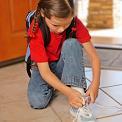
105,14
117,13
100,14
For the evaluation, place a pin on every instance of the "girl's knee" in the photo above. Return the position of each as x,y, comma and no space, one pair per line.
72,47
38,103
71,41
71,44
40,100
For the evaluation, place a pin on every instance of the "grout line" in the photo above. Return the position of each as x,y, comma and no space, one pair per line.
104,86
109,116
56,113
111,97
111,86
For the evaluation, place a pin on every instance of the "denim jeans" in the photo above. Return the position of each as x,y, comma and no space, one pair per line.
69,69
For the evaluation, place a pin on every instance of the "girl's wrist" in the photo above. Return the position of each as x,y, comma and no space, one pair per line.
95,84
66,90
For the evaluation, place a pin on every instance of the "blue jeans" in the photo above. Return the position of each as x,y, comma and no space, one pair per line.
69,69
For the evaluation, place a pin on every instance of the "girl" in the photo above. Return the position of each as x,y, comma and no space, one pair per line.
59,61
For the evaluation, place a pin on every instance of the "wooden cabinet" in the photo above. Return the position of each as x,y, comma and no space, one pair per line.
12,27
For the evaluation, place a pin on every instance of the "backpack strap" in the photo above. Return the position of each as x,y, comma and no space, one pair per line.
46,37
29,18
28,61
28,66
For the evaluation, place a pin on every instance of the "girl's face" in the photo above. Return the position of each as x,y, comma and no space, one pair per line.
58,25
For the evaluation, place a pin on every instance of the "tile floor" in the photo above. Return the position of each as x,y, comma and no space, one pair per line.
14,104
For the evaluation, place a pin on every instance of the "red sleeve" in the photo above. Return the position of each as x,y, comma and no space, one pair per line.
82,33
37,49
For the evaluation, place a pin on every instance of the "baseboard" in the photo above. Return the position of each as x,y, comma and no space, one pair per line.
110,47
11,62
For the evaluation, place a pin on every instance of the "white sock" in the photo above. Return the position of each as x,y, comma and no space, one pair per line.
81,90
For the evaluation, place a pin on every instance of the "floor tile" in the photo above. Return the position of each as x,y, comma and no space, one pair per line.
108,77
88,74
105,106
115,93
22,112
14,105
61,107
45,119
102,107
87,69
117,118
13,73
13,92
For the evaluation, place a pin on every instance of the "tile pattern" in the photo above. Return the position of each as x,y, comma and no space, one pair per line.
105,106
14,105
115,93
108,77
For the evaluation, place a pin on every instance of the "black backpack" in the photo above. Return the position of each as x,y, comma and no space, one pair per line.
70,33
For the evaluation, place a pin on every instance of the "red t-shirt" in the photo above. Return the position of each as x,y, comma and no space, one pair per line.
52,52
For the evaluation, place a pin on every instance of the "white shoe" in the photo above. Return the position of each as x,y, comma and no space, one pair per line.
82,114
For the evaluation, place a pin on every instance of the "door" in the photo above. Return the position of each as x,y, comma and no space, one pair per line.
12,27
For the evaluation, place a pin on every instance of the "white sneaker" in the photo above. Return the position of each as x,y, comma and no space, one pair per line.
82,114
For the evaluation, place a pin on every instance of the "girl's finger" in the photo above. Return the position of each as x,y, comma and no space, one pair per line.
74,105
88,92
92,98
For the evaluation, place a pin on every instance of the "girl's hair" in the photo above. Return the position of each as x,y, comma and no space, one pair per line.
57,8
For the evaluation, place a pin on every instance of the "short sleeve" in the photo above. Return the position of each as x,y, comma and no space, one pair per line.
37,49
82,33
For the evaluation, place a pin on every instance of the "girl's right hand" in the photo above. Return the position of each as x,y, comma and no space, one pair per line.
75,99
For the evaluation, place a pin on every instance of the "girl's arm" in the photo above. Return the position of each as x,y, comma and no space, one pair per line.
95,62
51,79
74,97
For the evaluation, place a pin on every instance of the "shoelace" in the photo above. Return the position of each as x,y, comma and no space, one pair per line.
97,104
77,114
86,113
86,110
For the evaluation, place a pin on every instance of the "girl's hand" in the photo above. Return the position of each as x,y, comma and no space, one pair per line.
75,99
92,92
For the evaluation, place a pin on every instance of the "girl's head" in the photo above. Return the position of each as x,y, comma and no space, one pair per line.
58,14
57,8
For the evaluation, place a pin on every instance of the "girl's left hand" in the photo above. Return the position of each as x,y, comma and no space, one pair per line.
92,92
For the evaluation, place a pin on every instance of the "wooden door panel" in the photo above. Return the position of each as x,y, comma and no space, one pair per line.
17,12
33,4
12,28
